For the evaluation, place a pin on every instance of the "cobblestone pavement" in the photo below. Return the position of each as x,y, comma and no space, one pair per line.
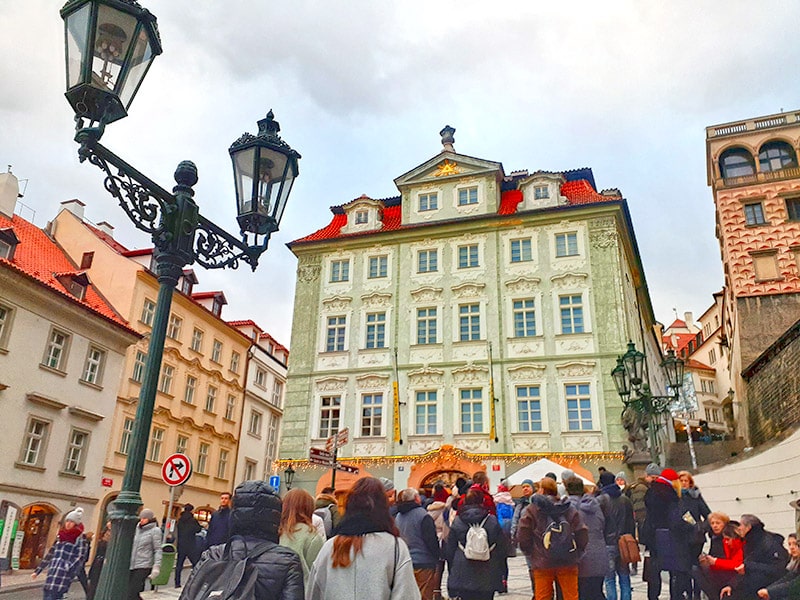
19,585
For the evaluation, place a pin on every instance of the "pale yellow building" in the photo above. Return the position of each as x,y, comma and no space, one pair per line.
200,394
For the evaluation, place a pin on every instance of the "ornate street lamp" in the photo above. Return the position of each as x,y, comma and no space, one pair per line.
630,379
289,475
110,45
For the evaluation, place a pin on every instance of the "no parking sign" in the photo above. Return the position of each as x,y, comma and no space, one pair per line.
176,470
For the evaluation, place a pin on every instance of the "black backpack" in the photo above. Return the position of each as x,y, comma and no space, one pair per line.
558,540
226,578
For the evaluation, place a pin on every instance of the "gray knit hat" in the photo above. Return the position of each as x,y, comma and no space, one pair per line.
653,470
623,476
76,516
388,484
147,514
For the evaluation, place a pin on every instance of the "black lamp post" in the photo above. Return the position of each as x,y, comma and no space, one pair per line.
630,379
289,476
110,45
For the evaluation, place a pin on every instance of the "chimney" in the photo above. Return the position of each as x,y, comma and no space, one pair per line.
74,206
9,192
106,228
689,318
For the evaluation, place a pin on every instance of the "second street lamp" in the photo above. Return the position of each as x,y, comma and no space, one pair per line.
110,45
630,379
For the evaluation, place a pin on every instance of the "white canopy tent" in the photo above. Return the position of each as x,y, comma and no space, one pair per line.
536,470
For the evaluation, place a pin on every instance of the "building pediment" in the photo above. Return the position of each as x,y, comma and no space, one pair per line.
446,166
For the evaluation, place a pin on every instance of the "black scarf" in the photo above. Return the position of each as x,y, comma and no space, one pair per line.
358,524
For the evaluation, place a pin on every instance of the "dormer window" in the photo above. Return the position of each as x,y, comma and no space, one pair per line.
216,307
8,243
188,281
363,214
467,196
428,201
74,283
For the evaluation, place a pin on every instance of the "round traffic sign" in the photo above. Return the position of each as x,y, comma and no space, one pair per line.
176,469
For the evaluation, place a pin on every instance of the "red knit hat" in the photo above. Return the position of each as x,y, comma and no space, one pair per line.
669,474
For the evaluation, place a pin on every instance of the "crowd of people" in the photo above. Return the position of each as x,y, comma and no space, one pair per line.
580,541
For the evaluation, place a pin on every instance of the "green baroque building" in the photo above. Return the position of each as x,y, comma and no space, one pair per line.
471,322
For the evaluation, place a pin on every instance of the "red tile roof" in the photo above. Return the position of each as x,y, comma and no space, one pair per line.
577,192
106,238
39,258
683,340
696,364
677,324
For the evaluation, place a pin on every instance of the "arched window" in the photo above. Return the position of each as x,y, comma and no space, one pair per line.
736,162
775,156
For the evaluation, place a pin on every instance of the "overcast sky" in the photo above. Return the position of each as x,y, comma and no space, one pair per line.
362,88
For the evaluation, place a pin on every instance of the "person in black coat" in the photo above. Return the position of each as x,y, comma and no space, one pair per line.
254,520
473,579
666,535
765,560
188,528
220,523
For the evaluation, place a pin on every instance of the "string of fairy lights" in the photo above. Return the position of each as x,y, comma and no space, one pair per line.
440,456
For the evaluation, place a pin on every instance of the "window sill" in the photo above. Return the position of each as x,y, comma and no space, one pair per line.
209,412
27,467
227,420
58,372
71,475
754,225
578,255
94,386
576,333
334,352
132,380
198,351
216,362
770,280
3,350
166,394
430,345
191,405
254,435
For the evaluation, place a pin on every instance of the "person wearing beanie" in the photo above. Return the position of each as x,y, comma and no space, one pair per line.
254,520
666,536
622,480
652,471
145,553
63,557
388,489
188,528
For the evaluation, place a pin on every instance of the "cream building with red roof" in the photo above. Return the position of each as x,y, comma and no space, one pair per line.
497,304
62,352
199,401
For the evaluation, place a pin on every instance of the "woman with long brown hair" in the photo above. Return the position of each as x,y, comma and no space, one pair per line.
366,558
297,530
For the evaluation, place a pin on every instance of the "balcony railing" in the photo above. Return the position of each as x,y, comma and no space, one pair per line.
753,125
765,177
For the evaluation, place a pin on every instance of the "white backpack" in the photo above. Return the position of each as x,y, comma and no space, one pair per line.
477,546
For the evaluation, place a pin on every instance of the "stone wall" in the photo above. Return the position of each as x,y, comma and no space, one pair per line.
773,388
762,320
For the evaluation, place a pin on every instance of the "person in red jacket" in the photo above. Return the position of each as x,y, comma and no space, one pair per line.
718,567
480,482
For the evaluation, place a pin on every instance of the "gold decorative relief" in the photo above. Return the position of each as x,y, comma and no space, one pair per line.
447,167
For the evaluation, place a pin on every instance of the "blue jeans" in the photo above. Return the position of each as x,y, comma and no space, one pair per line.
617,569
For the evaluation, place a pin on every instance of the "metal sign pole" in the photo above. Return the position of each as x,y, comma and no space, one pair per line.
169,514
333,467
